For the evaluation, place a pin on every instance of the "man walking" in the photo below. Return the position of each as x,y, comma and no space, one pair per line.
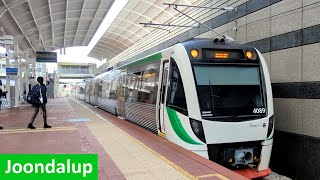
43,101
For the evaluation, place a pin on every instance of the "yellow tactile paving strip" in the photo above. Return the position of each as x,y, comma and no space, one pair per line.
15,131
134,159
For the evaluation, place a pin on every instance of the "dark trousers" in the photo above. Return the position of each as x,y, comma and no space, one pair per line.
36,111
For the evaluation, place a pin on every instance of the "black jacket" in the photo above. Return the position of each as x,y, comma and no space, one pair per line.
44,93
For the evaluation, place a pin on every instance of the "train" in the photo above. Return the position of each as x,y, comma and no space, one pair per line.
210,96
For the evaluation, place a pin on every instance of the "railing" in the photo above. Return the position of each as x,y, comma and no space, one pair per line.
74,71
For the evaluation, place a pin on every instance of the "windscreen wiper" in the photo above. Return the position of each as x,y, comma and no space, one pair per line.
211,95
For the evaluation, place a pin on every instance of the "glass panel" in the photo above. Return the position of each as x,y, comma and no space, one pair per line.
176,95
147,92
226,75
100,89
228,91
132,88
113,89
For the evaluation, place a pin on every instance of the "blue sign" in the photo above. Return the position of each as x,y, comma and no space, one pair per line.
11,71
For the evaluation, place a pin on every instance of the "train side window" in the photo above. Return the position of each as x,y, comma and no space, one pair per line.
113,89
176,96
148,88
121,85
100,89
133,86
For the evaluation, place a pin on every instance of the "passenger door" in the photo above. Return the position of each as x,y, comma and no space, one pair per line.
162,94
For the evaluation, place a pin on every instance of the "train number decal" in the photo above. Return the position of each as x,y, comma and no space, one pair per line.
259,110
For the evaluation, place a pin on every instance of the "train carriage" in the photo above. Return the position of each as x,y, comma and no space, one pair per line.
79,91
212,97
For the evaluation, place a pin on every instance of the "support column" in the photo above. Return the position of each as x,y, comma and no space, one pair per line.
26,76
16,84
16,79
8,79
21,81
34,70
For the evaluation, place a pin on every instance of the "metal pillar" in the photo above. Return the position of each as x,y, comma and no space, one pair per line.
21,80
8,79
16,79
26,76
34,70
16,85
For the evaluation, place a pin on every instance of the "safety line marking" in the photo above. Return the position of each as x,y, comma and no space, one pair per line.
214,175
167,161
15,131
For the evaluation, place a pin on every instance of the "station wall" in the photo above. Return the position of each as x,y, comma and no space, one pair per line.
287,32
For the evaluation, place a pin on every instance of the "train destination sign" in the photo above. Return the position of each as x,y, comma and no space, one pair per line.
47,57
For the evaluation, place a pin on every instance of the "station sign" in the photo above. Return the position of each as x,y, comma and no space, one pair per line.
11,71
46,57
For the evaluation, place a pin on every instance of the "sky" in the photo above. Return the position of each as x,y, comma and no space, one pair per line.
79,54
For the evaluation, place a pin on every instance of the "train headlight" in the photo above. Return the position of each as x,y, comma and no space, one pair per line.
270,127
194,53
251,55
197,129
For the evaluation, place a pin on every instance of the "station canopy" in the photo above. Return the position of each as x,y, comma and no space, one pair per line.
126,29
127,39
47,25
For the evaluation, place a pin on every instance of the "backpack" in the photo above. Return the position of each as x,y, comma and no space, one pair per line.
34,95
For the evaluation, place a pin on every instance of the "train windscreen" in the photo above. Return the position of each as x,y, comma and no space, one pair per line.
229,91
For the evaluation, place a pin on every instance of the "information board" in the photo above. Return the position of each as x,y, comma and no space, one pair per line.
46,57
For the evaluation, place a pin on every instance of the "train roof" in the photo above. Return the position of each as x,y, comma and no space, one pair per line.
190,44
215,43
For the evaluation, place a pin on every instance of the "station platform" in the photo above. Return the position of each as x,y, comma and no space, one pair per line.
125,150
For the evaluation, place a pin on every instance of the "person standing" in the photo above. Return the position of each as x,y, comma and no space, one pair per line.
42,94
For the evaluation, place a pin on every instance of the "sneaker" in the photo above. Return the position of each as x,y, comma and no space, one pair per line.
1,127
47,126
30,126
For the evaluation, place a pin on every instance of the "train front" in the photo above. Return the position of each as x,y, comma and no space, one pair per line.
235,103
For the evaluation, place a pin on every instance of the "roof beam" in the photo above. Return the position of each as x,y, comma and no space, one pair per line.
140,14
56,34
34,19
9,6
109,37
83,5
132,23
65,25
108,54
52,25
117,48
17,23
94,17
73,19
120,36
126,30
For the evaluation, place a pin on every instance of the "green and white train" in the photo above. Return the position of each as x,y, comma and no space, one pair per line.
212,97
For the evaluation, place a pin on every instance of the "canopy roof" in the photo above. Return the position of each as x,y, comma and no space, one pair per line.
126,30
47,25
